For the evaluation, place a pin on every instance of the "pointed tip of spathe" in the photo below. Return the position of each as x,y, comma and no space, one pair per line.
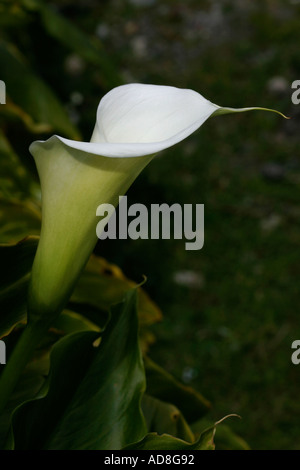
225,110
275,111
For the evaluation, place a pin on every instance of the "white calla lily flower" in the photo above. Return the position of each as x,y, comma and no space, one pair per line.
134,122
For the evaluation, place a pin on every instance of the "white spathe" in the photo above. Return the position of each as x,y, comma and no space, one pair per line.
136,120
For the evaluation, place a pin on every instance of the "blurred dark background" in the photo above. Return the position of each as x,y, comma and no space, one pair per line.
230,311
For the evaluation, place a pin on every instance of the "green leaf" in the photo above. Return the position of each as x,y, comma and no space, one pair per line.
15,181
15,267
16,260
225,438
103,284
70,322
165,418
13,113
94,393
223,110
31,94
30,383
20,213
162,385
166,442
153,441
18,220
13,306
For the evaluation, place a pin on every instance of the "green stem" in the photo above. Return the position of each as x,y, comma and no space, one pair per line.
23,351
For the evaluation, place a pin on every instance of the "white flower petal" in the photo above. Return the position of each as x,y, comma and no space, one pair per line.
136,120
